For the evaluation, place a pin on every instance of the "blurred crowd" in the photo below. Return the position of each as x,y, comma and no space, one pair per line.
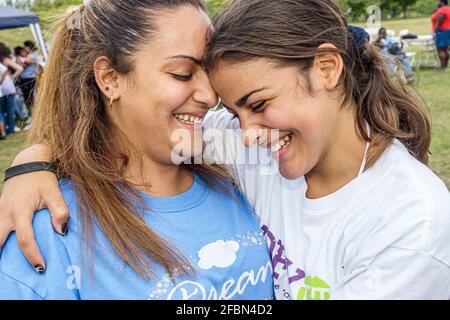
18,70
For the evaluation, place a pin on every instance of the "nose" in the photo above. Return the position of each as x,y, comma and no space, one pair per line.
250,131
204,92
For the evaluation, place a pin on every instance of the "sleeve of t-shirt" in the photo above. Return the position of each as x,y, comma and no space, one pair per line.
434,20
19,281
2,68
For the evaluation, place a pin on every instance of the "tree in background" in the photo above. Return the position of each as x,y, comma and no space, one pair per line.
406,5
41,5
357,9
214,6
19,4
354,9
425,7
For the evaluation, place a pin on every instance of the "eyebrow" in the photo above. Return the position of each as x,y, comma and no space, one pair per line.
194,60
242,101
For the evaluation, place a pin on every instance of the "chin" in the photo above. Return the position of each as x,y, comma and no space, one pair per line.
184,151
291,171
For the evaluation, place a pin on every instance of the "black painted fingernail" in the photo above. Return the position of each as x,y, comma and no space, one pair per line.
65,228
39,269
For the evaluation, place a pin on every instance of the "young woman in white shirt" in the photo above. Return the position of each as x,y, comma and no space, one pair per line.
9,88
3,73
352,211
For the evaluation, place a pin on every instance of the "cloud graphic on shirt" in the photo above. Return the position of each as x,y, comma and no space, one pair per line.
219,254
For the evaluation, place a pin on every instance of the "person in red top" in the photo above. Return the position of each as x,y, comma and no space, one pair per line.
441,28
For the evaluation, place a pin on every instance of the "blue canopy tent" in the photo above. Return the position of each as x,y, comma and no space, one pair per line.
11,18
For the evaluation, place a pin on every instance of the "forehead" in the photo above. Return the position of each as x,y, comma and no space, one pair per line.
184,30
233,79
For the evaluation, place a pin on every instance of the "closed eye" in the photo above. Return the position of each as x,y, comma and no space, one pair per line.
259,106
182,77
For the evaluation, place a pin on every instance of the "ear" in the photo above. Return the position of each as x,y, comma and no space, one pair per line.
107,78
330,66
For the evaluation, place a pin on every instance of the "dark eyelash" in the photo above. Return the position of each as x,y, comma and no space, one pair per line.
259,107
182,77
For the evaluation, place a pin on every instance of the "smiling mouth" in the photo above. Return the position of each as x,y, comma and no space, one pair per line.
190,119
283,143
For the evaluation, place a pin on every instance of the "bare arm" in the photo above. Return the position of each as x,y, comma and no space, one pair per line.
17,68
23,195
29,60
439,22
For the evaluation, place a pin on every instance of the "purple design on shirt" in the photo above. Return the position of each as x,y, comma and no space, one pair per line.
279,258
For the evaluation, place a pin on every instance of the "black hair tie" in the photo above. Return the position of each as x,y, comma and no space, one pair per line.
28,168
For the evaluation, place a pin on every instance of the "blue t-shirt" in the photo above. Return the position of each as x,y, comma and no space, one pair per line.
220,236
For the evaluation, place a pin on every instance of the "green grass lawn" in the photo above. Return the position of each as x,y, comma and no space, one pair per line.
8,149
15,37
419,26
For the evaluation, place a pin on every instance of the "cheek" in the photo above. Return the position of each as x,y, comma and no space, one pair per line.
153,103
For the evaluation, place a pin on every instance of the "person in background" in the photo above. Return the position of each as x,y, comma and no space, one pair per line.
9,89
21,111
28,76
3,71
21,55
392,53
441,29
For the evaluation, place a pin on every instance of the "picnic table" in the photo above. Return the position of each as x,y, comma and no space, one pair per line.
422,51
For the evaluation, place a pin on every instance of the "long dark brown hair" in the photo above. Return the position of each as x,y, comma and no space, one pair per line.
289,32
70,116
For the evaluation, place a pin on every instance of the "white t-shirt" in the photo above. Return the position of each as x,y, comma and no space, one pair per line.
8,86
385,235
3,69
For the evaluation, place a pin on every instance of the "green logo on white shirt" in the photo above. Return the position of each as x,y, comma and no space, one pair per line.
314,288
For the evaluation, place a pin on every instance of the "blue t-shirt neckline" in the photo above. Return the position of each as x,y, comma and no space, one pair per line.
187,200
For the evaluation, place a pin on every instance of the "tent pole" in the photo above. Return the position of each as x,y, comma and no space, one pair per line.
37,33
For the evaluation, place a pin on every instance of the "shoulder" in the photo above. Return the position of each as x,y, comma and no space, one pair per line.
443,10
53,247
11,258
416,213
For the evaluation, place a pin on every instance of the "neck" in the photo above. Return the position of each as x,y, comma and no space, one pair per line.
156,179
342,158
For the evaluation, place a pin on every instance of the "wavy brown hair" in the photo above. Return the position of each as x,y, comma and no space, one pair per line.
70,116
289,33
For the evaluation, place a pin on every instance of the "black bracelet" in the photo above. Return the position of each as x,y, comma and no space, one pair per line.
29,167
